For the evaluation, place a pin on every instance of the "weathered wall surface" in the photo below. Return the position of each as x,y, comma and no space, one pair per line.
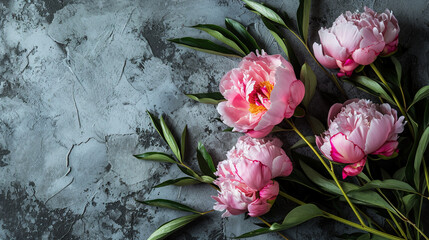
76,78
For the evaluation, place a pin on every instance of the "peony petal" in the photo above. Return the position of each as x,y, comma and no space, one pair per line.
254,174
331,46
345,151
353,169
325,60
348,35
377,134
387,149
260,133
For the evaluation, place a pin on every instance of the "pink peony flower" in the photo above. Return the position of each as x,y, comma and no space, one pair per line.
356,39
260,93
358,128
245,178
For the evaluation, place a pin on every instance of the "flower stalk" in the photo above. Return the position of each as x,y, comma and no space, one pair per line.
331,172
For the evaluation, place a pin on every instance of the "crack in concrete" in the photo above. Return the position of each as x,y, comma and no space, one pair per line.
55,194
77,110
28,60
128,21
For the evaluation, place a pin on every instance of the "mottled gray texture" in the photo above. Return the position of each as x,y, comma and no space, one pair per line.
76,78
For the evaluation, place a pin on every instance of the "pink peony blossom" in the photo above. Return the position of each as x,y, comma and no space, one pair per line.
357,39
245,178
358,128
260,93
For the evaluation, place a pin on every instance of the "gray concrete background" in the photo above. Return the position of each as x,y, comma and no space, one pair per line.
76,78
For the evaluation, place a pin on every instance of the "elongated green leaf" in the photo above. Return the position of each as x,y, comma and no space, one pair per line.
224,36
169,138
301,143
368,198
178,182
156,156
240,31
298,177
183,142
265,11
169,227
421,149
168,204
316,126
310,82
410,201
284,45
303,17
387,184
422,93
156,124
205,46
372,87
398,69
205,161
208,98
188,172
295,217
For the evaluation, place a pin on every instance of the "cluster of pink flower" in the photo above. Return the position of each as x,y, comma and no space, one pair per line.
263,91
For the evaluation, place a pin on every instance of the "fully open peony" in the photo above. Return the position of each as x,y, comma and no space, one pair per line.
357,39
358,128
245,178
260,93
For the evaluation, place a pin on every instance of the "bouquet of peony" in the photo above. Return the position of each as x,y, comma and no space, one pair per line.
368,157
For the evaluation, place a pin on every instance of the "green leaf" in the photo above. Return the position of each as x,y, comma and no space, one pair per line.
298,177
169,138
265,11
224,36
284,45
299,215
169,227
299,112
398,69
316,126
410,201
240,31
156,156
168,204
208,98
207,179
183,142
188,171
421,94
371,86
301,143
387,184
178,182
205,45
310,82
421,149
295,217
354,236
303,17
156,124
368,198
205,161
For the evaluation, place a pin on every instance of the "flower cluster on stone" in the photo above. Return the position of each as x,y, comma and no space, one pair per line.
260,93
358,128
357,39
245,178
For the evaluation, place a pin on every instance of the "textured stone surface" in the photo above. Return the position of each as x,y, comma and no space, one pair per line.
76,78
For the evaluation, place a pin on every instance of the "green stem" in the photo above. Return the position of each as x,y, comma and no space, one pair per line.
329,170
342,220
397,224
403,112
330,75
269,225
